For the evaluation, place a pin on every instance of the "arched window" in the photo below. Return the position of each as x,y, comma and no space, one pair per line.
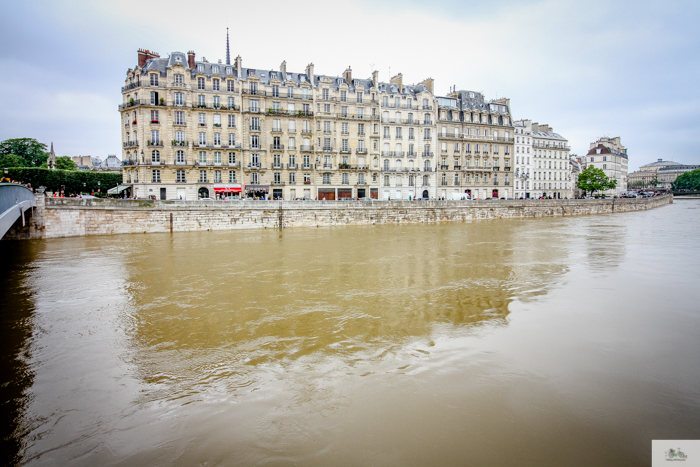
155,156
426,166
386,164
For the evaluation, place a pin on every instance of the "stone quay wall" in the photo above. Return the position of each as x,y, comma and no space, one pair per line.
69,217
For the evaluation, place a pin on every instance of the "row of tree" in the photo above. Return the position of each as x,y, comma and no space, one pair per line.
25,161
688,181
28,152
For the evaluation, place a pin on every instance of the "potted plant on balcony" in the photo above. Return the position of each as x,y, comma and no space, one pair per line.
131,101
162,101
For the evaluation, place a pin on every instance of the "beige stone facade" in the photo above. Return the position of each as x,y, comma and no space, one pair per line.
551,171
475,147
610,155
193,129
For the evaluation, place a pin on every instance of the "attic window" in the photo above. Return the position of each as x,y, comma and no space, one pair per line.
471,95
229,70
200,67
273,75
178,59
262,75
215,69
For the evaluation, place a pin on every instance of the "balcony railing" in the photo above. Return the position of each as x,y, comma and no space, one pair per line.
131,144
307,147
256,92
292,166
427,154
361,151
158,144
277,147
345,150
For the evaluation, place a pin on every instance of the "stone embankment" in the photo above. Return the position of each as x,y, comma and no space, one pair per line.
65,217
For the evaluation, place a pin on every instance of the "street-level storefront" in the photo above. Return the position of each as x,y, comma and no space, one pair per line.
257,191
226,190
326,194
344,193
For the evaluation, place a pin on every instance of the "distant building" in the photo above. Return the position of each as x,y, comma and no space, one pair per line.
610,155
647,175
111,164
576,168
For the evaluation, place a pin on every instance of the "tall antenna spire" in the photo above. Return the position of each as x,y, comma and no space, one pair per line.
228,52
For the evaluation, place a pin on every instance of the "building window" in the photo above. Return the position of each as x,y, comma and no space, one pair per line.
155,176
326,179
215,84
386,180
179,118
254,179
202,176
155,156
202,139
231,139
232,158
292,178
180,157
179,99
346,179
180,176
179,79
232,176
230,85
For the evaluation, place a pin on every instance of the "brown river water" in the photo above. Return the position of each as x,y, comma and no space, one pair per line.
532,342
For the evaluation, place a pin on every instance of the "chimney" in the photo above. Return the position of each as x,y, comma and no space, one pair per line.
375,78
190,59
428,83
145,55
347,74
398,79
310,73
283,70
239,64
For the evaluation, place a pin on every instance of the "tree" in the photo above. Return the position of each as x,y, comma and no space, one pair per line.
687,181
65,163
29,149
593,179
12,160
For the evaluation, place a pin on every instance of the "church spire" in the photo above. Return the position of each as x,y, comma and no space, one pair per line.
228,52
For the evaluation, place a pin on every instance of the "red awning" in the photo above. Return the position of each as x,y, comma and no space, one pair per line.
233,188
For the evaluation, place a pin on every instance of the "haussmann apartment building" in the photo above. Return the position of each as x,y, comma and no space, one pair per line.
193,129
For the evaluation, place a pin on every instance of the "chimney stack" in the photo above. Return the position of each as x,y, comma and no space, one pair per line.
310,73
347,74
145,55
428,83
398,79
239,64
283,70
375,78
190,59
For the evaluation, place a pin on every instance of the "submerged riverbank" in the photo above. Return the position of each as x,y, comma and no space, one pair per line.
65,217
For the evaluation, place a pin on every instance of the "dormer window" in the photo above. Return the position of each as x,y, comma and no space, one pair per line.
229,70
200,68
471,95
154,79
215,69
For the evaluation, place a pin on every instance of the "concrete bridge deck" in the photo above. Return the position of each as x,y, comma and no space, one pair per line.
15,200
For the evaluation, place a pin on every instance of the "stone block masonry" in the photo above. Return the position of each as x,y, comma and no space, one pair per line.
65,217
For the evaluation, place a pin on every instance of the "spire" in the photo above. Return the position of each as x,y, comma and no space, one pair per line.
228,52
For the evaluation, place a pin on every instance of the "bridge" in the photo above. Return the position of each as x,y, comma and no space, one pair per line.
15,200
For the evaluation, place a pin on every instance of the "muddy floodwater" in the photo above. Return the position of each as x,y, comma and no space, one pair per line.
531,342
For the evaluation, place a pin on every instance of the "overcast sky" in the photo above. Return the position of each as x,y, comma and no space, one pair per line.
587,68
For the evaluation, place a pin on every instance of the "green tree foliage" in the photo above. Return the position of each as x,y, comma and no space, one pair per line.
72,180
12,160
593,179
29,149
65,163
688,181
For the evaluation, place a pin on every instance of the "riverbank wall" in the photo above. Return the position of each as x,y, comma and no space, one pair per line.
69,217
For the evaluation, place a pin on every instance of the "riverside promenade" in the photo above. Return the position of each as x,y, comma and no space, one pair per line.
69,217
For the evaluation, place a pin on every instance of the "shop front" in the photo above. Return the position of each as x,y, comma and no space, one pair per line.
344,193
326,194
257,191
227,190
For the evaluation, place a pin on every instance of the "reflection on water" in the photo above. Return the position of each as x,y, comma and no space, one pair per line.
488,342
